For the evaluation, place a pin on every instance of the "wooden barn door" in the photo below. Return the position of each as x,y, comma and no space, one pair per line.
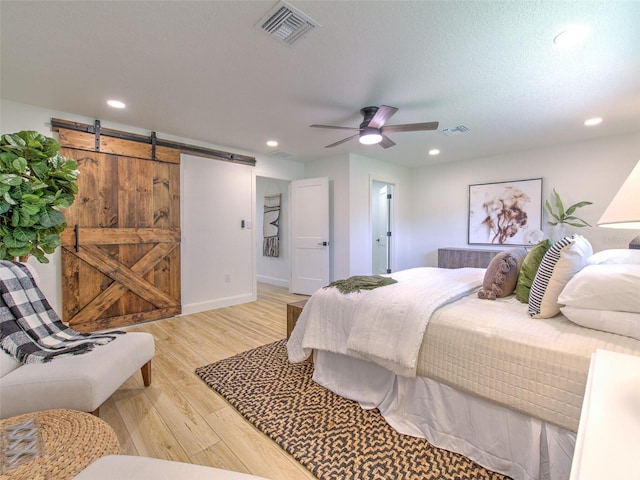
121,248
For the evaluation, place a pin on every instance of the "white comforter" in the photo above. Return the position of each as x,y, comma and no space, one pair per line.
385,325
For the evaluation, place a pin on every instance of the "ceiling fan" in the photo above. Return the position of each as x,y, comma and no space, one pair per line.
372,130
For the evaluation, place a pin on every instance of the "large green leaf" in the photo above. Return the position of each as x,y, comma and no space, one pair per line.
575,206
51,218
33,198
6,160
20,164
39,254
9,199
10,179
14,139
12,242
50,242
24,234
19,252
40,170
64,201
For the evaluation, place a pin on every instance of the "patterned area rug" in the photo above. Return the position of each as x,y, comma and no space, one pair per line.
331,436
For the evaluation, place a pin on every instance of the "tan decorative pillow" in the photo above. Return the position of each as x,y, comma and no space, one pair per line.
501,275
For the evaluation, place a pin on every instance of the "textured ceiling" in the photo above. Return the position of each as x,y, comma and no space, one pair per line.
201,70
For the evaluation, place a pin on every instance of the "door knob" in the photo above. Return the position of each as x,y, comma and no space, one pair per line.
323,244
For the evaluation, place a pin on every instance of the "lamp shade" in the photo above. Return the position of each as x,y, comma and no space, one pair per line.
370,136
624,209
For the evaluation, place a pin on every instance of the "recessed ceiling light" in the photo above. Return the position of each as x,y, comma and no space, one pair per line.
572,36
434,151
593,121
272,143
116,104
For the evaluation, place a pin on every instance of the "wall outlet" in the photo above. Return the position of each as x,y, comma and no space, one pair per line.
227,278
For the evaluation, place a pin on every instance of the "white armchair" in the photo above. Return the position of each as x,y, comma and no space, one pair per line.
78,382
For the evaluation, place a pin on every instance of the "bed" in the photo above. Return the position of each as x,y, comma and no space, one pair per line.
479,377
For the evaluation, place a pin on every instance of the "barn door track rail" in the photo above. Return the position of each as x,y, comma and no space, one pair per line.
152,140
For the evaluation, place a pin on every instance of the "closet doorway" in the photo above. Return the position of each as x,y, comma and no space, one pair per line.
272,209
381,231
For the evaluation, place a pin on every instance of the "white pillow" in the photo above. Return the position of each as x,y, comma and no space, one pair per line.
562,261
604,287
614,255
622,323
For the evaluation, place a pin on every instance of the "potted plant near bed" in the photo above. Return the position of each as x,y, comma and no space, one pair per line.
561,217
36,183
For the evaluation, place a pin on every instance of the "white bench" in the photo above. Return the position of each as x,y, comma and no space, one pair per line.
78,382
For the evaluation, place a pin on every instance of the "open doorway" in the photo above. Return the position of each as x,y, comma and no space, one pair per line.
272,257
381,223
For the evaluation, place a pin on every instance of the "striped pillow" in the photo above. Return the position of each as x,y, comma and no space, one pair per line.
561,262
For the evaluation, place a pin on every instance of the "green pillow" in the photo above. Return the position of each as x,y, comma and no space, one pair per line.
529,269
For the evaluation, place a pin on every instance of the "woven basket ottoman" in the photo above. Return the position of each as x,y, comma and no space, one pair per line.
62,443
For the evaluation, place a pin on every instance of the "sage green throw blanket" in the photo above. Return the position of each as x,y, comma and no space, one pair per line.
361,282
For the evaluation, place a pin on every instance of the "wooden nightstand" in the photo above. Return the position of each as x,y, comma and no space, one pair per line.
294,309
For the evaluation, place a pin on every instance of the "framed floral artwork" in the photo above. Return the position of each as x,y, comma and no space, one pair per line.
506,213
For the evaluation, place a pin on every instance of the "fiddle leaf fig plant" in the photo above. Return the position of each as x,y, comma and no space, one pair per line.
36,183
560,215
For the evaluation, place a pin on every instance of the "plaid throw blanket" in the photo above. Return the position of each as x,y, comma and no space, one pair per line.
30,330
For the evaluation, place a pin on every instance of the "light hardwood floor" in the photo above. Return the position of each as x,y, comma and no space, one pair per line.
180,418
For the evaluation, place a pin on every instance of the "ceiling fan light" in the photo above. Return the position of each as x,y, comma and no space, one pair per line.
370,136
572,36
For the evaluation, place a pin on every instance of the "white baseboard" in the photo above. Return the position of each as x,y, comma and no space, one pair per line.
217,303
279,282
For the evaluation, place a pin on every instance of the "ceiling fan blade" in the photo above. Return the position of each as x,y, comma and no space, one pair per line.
411,127
343,141
335,127
386,142
381,117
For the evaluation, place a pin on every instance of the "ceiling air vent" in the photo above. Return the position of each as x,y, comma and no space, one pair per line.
286,23
455,130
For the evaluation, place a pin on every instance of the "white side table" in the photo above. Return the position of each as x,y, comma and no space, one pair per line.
608,440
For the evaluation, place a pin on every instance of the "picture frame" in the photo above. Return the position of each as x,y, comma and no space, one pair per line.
505,213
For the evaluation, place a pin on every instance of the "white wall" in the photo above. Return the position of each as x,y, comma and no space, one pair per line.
273,270
217,254
201,274
591,171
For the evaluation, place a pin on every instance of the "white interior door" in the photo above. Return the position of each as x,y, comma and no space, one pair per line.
380,216
309,235
381,198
